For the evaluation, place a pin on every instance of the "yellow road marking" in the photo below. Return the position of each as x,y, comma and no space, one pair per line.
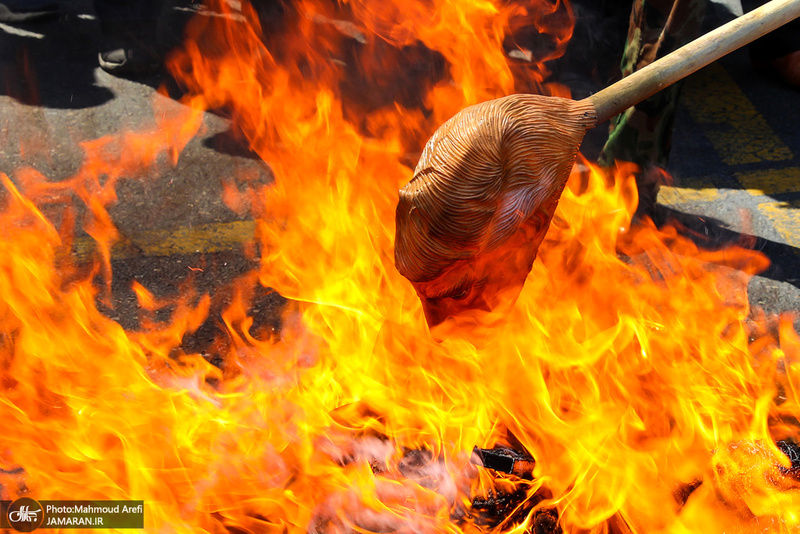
731,122
671,196
221,237
770,181
785,218
200,239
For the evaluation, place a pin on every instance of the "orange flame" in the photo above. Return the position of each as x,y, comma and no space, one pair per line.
631,368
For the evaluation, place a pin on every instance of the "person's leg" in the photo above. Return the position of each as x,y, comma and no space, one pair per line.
643,134
129,43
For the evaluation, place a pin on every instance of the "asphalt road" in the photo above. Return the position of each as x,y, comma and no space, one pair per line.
735,162
736,167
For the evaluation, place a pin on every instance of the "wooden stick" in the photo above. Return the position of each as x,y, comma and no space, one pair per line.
643,83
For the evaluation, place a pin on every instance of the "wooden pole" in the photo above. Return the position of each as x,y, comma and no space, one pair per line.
643,83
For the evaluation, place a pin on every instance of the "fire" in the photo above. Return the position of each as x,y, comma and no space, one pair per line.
631,369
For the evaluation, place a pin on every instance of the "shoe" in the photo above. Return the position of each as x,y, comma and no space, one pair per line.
129,61
127,49
17,11
788,68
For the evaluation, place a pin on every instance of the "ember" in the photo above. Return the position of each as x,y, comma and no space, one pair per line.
630,368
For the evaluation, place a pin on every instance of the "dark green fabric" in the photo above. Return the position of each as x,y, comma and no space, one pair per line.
643,134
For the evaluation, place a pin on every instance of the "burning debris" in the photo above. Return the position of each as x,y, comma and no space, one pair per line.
624,379
506,460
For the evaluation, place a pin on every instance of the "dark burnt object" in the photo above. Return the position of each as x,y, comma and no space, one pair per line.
505,460
792,451
506,509
509,508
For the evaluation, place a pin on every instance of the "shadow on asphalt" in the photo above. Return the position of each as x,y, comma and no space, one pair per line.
50,63
711,234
